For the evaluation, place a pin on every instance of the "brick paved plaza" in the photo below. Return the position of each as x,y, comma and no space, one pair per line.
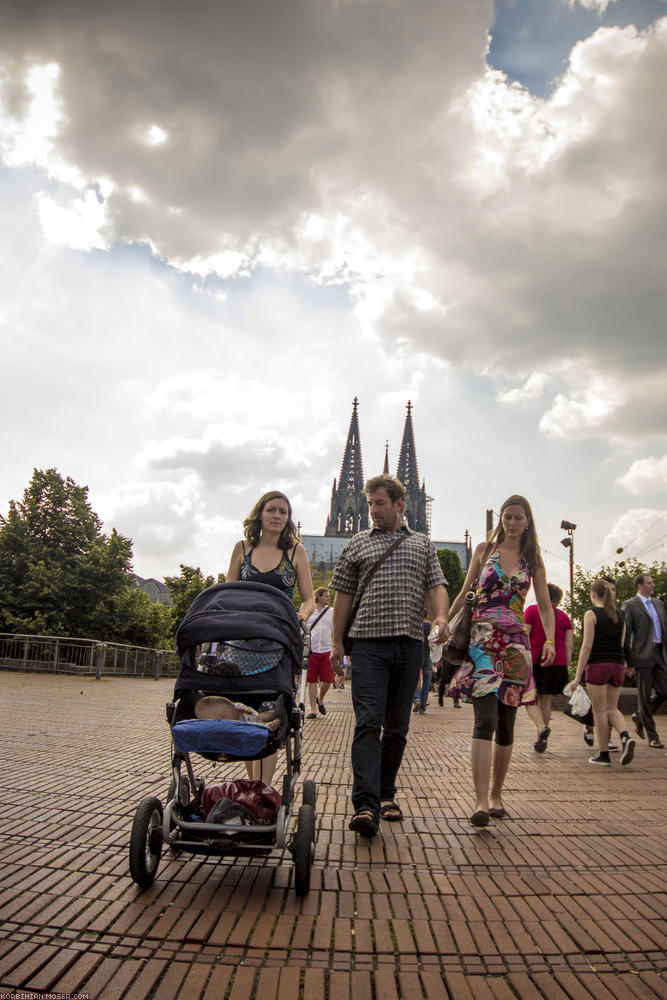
566,899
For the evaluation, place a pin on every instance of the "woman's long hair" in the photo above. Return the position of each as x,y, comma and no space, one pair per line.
604,593
530,547
252,526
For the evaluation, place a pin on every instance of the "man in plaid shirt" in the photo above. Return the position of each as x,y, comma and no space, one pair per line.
387,637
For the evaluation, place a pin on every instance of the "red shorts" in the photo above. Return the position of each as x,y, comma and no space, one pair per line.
320,669
605,673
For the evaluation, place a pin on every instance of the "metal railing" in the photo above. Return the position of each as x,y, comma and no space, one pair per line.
85,657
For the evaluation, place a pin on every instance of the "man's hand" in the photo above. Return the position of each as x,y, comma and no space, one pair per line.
442,625
336,657
342,611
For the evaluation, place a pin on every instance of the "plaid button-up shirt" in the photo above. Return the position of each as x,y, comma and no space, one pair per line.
393,602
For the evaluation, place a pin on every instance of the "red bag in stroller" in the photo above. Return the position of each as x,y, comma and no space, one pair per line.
261,800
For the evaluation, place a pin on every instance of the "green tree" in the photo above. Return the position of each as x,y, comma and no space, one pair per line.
53,558
451,567
59,575
185,587
137,620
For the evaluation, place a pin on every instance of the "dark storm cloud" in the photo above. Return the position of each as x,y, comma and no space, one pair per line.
259,100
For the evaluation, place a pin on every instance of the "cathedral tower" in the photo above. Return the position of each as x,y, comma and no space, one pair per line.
349,507
416,502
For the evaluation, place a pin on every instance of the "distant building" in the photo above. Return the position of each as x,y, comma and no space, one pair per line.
156,590
349,508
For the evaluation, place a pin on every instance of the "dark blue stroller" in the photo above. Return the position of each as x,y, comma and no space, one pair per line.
242,641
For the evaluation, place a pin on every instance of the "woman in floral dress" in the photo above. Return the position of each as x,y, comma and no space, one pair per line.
497,675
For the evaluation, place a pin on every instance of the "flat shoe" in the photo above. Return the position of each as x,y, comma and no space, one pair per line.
480,818
364,823
498,813
657,744
639,726
540,746
391,811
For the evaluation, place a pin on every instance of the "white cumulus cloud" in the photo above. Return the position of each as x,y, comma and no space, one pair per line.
646,475
581,413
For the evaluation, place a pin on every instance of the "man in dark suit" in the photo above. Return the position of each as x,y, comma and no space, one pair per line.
646,652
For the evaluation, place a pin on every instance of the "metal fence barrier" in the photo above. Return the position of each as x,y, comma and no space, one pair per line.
57,655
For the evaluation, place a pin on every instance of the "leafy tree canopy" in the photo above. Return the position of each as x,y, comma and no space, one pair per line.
451,567
185,587
59,575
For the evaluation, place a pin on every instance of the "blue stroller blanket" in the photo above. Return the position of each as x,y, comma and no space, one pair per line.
237,737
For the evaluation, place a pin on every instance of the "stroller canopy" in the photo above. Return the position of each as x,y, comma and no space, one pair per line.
233,611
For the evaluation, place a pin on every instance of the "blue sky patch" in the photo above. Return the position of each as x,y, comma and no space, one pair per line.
532,39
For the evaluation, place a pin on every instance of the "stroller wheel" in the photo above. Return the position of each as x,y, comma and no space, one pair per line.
146,841
303,849
309,793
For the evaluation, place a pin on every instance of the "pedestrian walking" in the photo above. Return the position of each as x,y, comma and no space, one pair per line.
496,674
386,574
603,660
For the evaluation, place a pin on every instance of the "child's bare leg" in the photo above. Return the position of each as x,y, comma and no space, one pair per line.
266,768
214,707
270,719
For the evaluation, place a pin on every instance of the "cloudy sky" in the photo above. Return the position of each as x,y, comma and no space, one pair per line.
223,221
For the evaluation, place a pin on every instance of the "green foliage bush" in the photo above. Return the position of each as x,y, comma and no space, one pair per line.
60,575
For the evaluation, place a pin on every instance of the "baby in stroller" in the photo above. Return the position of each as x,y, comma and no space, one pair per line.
240,647
214,707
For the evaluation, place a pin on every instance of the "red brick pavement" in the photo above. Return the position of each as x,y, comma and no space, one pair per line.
565,900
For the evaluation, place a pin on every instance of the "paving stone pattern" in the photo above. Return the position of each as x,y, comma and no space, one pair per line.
565,900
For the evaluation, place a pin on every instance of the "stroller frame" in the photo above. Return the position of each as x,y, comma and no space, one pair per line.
179,825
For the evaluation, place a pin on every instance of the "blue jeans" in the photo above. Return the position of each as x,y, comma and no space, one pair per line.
384,675
422,692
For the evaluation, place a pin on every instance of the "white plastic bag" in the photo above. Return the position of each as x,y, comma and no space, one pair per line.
579,700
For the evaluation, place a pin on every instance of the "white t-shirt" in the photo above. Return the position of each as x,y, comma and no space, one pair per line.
320,636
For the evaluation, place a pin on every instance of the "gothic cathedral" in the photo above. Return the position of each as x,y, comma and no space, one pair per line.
349,509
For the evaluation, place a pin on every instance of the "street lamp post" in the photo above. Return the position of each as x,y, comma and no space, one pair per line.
568,543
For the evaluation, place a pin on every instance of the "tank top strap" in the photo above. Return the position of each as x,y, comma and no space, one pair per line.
291,558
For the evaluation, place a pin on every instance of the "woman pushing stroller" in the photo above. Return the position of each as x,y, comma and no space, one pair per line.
272,554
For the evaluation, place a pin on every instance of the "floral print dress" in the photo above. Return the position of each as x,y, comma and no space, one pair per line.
499,660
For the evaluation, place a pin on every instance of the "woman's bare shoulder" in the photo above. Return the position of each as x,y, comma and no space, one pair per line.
482,547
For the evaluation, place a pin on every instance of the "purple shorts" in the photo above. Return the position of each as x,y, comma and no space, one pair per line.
605,673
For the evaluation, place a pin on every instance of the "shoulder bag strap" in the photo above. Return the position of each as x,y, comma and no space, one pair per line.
403,535
481,567
321,615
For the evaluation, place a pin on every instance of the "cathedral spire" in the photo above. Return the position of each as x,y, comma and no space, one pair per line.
385,468
349,508
408,473
407,459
